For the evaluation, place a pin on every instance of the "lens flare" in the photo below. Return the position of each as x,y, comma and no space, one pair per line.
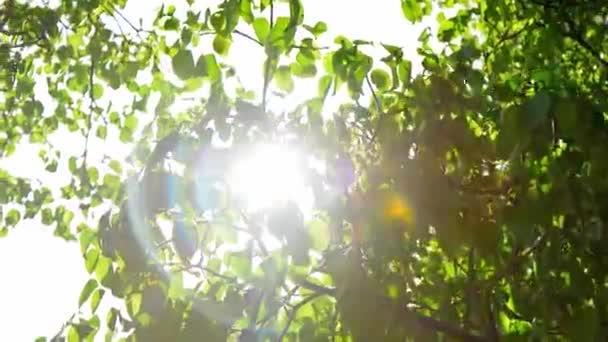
397,209
267,176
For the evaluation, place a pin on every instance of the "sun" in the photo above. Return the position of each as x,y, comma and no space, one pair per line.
268,176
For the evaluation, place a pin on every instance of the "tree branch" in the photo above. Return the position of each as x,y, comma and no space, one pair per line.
410,315
576,35
442,327
572,31
243,34
294,311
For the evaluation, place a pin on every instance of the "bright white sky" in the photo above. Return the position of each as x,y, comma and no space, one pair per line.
42,275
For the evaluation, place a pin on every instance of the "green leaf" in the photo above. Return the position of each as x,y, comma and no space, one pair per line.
221,44
131,122
411,10
183,64
296,13
261,28
319,233
73,334
88,288
96,299
115,166
12,217
405,71
103,267
101,132
97,91
72,165
239,264
75,40
317,30
91,258
303,70
218,21
324,86
246,12
176,287
86,237
46,216
283,78
93,174
213,69
171,24
380,79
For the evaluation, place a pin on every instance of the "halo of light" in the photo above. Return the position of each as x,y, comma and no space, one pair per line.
267,176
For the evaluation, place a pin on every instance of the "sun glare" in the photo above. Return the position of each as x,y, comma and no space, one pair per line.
268,176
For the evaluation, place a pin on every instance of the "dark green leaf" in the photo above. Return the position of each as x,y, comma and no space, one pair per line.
183,64
88,288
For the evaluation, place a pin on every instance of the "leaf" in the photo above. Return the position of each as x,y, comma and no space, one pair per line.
221,44
93,174
283,78
218,21
317,30
239,264
101,132
213,70
303,70
97,91
405,71
73,334
46,216
96,299
380,79
91,258
88,288
12,217
261,28
246,12
131,122
176,287
319,231
411,10
103,267
296,13
183,64
324,86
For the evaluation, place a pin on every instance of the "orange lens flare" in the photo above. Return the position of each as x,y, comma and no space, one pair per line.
397,209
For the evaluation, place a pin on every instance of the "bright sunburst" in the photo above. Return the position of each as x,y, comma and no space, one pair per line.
268,176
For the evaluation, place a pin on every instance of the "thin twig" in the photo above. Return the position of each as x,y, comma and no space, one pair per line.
286,300
271,14
294,311
266,82
515,261
269,60
376,99
243,34
257,238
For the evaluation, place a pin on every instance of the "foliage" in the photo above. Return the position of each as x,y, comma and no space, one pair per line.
466,202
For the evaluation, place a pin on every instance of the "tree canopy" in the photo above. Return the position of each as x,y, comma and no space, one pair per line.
464,202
